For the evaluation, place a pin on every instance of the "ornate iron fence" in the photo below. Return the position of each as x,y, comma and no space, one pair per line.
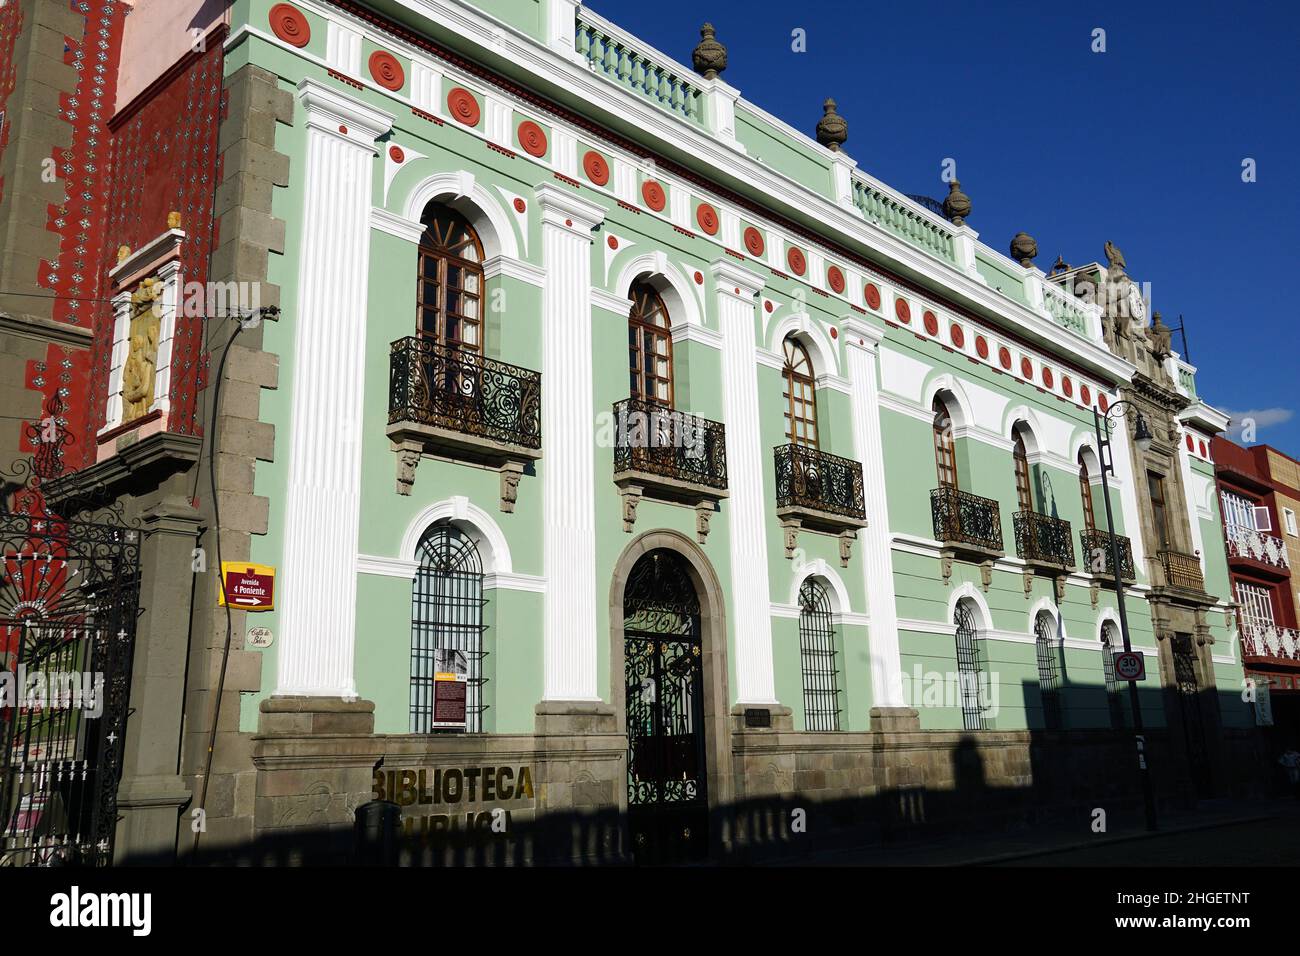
447,387
809,478
1097,557
658,440
1043,538
963,518
1181,570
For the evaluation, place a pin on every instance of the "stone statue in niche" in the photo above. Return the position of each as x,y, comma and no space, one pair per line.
142,357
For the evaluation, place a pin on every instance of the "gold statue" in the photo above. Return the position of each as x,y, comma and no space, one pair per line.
142,357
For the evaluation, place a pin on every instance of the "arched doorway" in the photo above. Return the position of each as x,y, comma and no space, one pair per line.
667,768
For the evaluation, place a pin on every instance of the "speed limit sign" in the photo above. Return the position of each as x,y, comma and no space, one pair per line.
1130,665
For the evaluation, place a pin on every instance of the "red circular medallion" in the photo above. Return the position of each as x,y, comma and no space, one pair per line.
1102,401
1026,367
872,295
958,335
767,306
835,333
289,24
1067,386
387,70
395,154
707,217
981,346
1048,378
1004,357
1191,442
612,242
836,279
794,257
343,130
754,241
462,106
594,165
1204,453
520,205
931,322
653,194
532,138
1085,393
902,310
699,278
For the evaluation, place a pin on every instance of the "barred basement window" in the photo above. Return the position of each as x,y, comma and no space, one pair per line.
446,614
817,650
969,667
1109,641
1049,670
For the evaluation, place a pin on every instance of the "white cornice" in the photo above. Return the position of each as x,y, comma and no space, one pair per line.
704,335
395,224
502,47
514,269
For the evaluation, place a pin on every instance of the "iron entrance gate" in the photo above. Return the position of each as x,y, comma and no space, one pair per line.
667,802
1189,692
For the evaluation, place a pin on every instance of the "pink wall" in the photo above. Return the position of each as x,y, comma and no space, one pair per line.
158,33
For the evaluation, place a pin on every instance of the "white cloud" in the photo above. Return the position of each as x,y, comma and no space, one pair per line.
1261,417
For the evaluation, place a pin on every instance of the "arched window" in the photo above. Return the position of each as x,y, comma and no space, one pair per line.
649,346
820,658
945,455
1109,644
970,667
450,295
1048,646
1085,494
800,395
446,624
1024,487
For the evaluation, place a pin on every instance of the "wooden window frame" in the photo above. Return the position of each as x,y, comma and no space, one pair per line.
642,328
1085,495
800,394
1024,480
945,451
434,248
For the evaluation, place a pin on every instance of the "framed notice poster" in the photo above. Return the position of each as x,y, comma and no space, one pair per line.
450,677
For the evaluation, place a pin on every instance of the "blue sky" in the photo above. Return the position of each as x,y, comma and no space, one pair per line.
1142,144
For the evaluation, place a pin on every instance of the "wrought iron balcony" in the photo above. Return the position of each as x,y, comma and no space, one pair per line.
1265,639
1097,557
448,402
1258,546
818,491
1181,570
966,522
1043,540
664,453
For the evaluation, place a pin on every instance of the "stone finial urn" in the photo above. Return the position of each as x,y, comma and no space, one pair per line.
956,205
832,130
1023,248
709,56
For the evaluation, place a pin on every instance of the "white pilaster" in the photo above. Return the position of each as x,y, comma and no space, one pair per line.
318,582
1122,458
861,341
568,413
735,288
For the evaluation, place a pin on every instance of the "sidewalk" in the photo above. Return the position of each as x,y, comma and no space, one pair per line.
1032,841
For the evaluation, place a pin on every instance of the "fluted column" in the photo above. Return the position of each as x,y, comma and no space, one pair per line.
568,413
318,582
861,341
751,621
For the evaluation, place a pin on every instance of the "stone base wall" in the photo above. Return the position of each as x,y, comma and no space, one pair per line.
558,795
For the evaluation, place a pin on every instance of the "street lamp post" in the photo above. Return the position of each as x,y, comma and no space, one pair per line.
1142,437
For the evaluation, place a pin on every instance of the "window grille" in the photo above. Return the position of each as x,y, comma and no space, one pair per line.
969,667
817,650
1049,670
1113,699
446,614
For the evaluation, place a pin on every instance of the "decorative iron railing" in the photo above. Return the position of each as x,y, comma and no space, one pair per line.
963,518
1097,557
903,219
1043,538
657,440
1256,545
1181,570
440,385
808,478
1265,639
611,55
